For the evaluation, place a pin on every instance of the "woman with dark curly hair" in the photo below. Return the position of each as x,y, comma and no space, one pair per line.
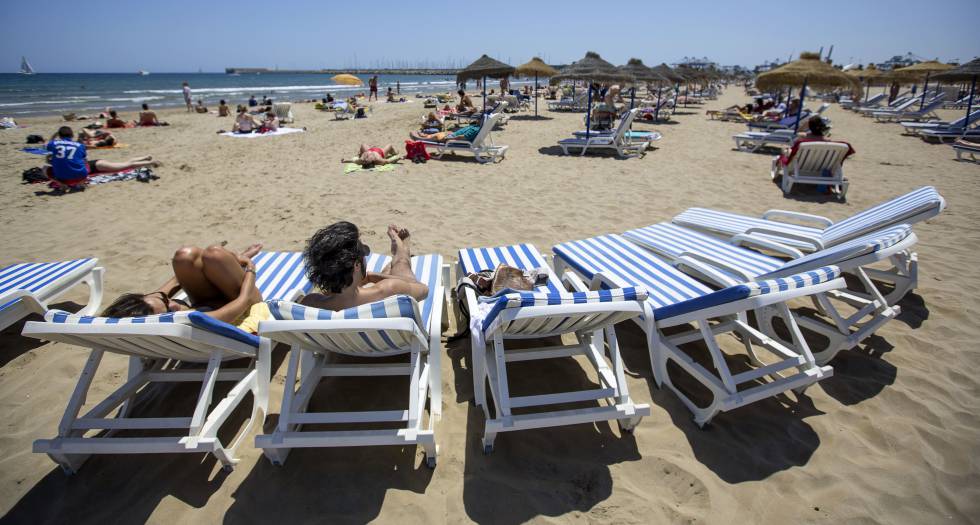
335,264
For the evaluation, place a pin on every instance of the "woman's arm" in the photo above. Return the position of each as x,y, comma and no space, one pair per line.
170,287
247,296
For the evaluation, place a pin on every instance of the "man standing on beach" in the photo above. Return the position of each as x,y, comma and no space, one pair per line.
398,87
373,84
187,96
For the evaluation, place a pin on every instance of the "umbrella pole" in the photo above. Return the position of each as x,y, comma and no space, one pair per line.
588,114
484,97
867,91
925,87
656,111
799,110
969,104
535,95
789,97
632,96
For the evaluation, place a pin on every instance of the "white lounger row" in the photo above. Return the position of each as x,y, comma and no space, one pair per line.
646,275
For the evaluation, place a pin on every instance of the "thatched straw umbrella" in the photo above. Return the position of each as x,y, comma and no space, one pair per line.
809,70
538,68
665,71
592,68
869,75
640,73
916,72
484,67
966,72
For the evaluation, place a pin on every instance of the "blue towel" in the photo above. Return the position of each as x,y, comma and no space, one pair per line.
35,151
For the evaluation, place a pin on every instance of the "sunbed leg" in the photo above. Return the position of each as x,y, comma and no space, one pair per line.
487,442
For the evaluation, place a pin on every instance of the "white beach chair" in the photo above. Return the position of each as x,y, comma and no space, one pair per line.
548,311
724,264
819,163
159,348
871,102
482,146
955,126
912,114
284,112
397,325
966,148
28,288
752,141
630,135
676,299
618,141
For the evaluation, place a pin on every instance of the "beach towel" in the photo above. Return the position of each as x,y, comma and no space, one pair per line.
351,167
42,151
280,131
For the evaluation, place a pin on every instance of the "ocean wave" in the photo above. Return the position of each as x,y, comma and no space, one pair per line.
133,99
36,102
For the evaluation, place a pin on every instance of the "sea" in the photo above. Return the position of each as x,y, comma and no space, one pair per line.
59,93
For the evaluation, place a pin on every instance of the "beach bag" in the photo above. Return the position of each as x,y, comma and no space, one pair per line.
502,279
416,150
33,176
35,139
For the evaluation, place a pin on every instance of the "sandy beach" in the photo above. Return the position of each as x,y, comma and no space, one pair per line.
892,437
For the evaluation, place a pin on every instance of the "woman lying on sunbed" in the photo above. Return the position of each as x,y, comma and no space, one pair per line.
371,156
468,134
217,282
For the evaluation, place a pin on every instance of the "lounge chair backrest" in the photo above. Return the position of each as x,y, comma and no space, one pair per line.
33,277
356,341
521,256
489,121
931,106
624,124
917,205
838,255
966,121
817,157
547,321
283,111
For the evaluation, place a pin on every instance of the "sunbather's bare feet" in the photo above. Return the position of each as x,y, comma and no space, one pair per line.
399,239
252,250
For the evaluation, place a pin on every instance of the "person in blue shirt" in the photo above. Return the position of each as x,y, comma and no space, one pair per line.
69,165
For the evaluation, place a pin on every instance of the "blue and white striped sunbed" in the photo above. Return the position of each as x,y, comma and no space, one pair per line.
676,299
28,287
917,205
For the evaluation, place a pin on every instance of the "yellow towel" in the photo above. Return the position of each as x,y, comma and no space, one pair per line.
249,321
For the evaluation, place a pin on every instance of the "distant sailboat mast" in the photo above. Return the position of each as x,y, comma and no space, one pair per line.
25,66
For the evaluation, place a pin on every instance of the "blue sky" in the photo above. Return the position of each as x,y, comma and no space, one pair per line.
184,36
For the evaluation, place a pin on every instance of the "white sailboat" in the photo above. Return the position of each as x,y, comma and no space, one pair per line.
143,72
25,66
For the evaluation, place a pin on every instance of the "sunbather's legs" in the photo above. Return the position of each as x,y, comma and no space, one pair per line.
401,253
223,271
390,150
106,166
188,267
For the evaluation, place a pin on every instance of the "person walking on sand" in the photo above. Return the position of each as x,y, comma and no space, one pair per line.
187,95
373,84
398,87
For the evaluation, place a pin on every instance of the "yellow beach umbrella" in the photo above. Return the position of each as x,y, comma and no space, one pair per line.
347,80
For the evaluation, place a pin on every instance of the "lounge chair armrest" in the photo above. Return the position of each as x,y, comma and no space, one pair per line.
747,239
777,214
817,245
574,282
711,267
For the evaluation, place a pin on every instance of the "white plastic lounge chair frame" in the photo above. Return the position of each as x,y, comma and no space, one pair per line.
912,113
482,146
961,149
312,340
811,161
612,261
157,351
284,112
592,323
752,141
28,288
616,141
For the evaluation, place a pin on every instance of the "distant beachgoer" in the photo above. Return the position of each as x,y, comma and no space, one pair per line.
266,101
335,262
270,123
329,98
223,109
432,124
115,122
218,282
373,85
70,167
465,104
369,156
252,102
187,96
244,122
504,86
398,87
468,134
149,118
96,138
201,108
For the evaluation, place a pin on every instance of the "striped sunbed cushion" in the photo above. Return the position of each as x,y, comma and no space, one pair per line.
729,224
522,256
36,277
670,291
193,318
427,270
838,255
967,147
896,211
527,299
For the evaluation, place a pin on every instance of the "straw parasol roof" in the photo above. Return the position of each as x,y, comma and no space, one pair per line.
592,68
966,72
870,75
917,72
665,71
484,67
642,73
808,69
347,80
535,67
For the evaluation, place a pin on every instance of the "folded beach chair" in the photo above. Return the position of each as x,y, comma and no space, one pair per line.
940,135
871,102
631,135
819,163
677,300
900,108
617,141
724,264
900,102
482,146
927,112
159,348
397,325
284,112
952,127
961,148
752,141
27,288
343,111
548,311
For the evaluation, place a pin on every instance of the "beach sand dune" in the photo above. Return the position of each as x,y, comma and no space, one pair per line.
892,437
